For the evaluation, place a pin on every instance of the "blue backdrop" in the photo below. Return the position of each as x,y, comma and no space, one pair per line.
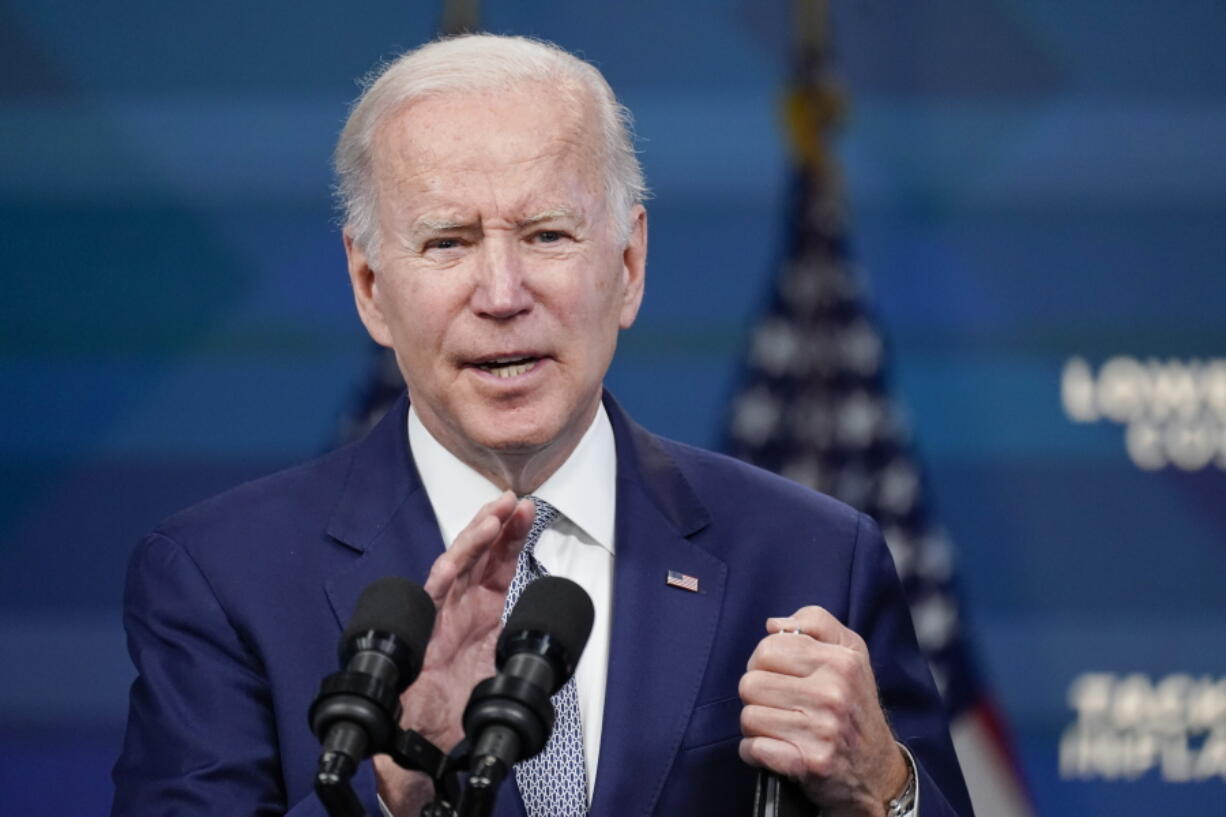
1037,189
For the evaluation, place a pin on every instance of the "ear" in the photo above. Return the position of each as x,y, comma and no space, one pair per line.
365,284
634,266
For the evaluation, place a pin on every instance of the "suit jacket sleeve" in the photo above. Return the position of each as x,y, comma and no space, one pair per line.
878,612
201,738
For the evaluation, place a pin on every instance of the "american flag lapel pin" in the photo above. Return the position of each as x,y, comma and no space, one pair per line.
677,579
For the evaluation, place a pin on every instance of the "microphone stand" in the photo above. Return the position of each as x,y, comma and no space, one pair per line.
410,751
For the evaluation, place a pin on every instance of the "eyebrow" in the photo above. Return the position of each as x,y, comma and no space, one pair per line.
548,215
428,224
440,224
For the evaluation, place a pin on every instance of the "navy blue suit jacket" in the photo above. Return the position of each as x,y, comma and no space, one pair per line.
235,606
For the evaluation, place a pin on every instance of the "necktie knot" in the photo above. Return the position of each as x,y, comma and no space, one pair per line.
545,516
528,568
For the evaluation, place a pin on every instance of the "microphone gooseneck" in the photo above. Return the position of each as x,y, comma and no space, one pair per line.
357,709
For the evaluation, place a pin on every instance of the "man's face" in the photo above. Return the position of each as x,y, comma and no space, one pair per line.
502,281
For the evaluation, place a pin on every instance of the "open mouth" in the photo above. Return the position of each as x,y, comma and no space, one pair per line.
508,366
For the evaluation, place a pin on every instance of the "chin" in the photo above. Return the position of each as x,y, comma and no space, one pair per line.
524,425
529,429
519,432
506,440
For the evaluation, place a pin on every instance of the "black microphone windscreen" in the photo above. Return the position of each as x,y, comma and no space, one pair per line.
557,607
394,605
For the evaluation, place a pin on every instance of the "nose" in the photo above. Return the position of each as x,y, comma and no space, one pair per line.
501,291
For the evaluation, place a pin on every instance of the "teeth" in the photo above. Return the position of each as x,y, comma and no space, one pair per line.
511,370
510,367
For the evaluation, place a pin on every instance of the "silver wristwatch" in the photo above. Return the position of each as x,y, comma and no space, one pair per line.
901,805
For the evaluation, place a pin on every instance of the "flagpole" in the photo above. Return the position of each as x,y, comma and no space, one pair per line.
459,16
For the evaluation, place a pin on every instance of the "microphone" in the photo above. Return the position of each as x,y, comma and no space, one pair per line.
776,796
357,710
509,717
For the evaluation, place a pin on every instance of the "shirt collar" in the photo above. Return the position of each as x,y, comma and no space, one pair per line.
583,489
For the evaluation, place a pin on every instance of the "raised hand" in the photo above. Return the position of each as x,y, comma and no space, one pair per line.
468,584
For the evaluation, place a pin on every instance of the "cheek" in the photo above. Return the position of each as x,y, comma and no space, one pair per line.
591,319
599,297
419,316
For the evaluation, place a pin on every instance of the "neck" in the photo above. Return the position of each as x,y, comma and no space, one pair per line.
521,474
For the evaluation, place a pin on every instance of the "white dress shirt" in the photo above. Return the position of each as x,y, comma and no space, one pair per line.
578,545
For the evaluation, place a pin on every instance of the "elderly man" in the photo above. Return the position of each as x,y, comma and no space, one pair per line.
496,240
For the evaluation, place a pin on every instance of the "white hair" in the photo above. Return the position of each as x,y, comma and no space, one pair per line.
474,63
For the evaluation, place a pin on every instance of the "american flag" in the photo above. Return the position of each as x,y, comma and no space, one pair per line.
813,405
682,580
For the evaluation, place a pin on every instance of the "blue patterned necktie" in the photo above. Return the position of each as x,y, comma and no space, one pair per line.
554,782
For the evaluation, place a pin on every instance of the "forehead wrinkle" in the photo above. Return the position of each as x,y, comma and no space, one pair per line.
410,155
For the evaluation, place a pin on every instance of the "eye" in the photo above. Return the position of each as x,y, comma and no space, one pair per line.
550,236
442,244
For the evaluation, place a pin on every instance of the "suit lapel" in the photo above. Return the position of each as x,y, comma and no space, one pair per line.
383,515
661,635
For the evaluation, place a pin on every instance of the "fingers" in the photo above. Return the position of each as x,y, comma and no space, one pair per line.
803,762
798,656
798,744
803,693
795,726
779,756
499,527
817,623
402,791
517,525
482,531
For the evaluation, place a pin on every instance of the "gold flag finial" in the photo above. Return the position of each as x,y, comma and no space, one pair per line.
815,105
